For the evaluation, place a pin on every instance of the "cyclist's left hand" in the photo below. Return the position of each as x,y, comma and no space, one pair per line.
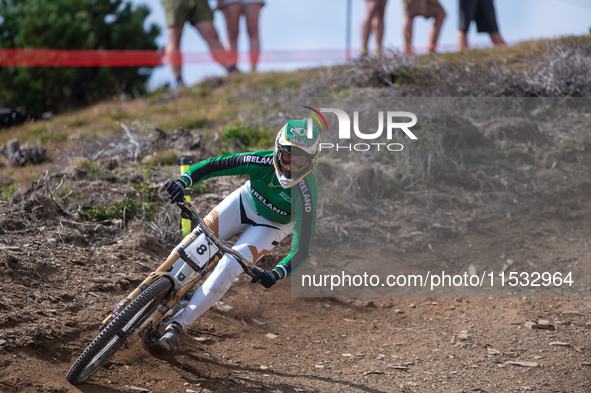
266,278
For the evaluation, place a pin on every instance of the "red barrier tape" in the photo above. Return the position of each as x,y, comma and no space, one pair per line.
152,58
147,58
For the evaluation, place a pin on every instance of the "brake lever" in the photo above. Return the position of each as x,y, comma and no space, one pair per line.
186,212
251,271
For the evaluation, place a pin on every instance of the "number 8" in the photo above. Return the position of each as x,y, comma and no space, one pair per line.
201,250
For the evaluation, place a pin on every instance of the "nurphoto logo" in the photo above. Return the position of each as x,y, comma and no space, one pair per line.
392,123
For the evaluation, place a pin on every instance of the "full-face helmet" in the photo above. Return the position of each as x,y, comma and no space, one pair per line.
295,152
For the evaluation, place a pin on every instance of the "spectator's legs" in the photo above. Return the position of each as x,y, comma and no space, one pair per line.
407,32
435,29
251,13
232,16
463,39
496,38
378,25
210,35
370,9
173,54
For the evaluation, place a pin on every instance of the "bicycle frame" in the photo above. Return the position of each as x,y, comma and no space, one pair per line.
187,211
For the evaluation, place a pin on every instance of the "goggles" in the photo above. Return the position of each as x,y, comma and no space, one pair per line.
293,163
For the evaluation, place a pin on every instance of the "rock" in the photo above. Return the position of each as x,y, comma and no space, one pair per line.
191,391
347,355
463,335
399,311
586,364
493,351
101,280
271,335
200,339
386,305
573,313
530,325
223,307
257,322
2,342
10,248
320,366
13,147
139,389
411,306
472,270
52,242
523,364
398,367
560,343
369,303
264,368
544,324
20,155
257,346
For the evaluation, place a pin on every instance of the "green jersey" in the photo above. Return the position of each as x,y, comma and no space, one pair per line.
270,199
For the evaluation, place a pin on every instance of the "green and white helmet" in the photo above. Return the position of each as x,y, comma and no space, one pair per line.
295,153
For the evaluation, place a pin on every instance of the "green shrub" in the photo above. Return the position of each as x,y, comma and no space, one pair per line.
92,169
7,191
242,138
72,24
163,158
125,209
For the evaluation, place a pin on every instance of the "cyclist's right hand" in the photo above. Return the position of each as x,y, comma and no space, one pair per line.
176,189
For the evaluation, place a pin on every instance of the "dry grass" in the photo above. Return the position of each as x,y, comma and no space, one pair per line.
556,68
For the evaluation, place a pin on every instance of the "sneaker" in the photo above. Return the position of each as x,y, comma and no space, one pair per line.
233,70
171,339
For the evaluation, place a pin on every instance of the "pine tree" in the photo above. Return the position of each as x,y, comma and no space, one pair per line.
72,24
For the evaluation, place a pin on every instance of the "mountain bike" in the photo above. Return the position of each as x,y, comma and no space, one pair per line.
145,312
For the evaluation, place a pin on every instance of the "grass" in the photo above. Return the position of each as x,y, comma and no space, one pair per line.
241,138
93,169
7,191
163,158
126,209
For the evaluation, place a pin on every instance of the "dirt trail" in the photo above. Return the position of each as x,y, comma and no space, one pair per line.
58,282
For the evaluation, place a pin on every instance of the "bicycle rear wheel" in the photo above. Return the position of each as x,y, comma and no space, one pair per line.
112,337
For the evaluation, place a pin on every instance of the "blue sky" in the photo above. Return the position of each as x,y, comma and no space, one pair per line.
321,24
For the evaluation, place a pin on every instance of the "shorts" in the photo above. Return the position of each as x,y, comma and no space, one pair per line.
180,11
243,2
480,11
426,8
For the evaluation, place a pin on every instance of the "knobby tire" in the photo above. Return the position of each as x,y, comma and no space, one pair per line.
106,343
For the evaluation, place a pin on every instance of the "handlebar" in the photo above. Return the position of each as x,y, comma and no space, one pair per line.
190,213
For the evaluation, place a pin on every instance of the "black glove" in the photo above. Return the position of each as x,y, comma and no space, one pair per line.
266,278
176,189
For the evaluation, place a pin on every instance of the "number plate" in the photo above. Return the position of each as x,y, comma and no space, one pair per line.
201,250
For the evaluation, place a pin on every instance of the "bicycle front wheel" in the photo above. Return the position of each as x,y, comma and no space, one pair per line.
112,337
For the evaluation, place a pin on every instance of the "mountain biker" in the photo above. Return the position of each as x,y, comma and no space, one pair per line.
279,199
